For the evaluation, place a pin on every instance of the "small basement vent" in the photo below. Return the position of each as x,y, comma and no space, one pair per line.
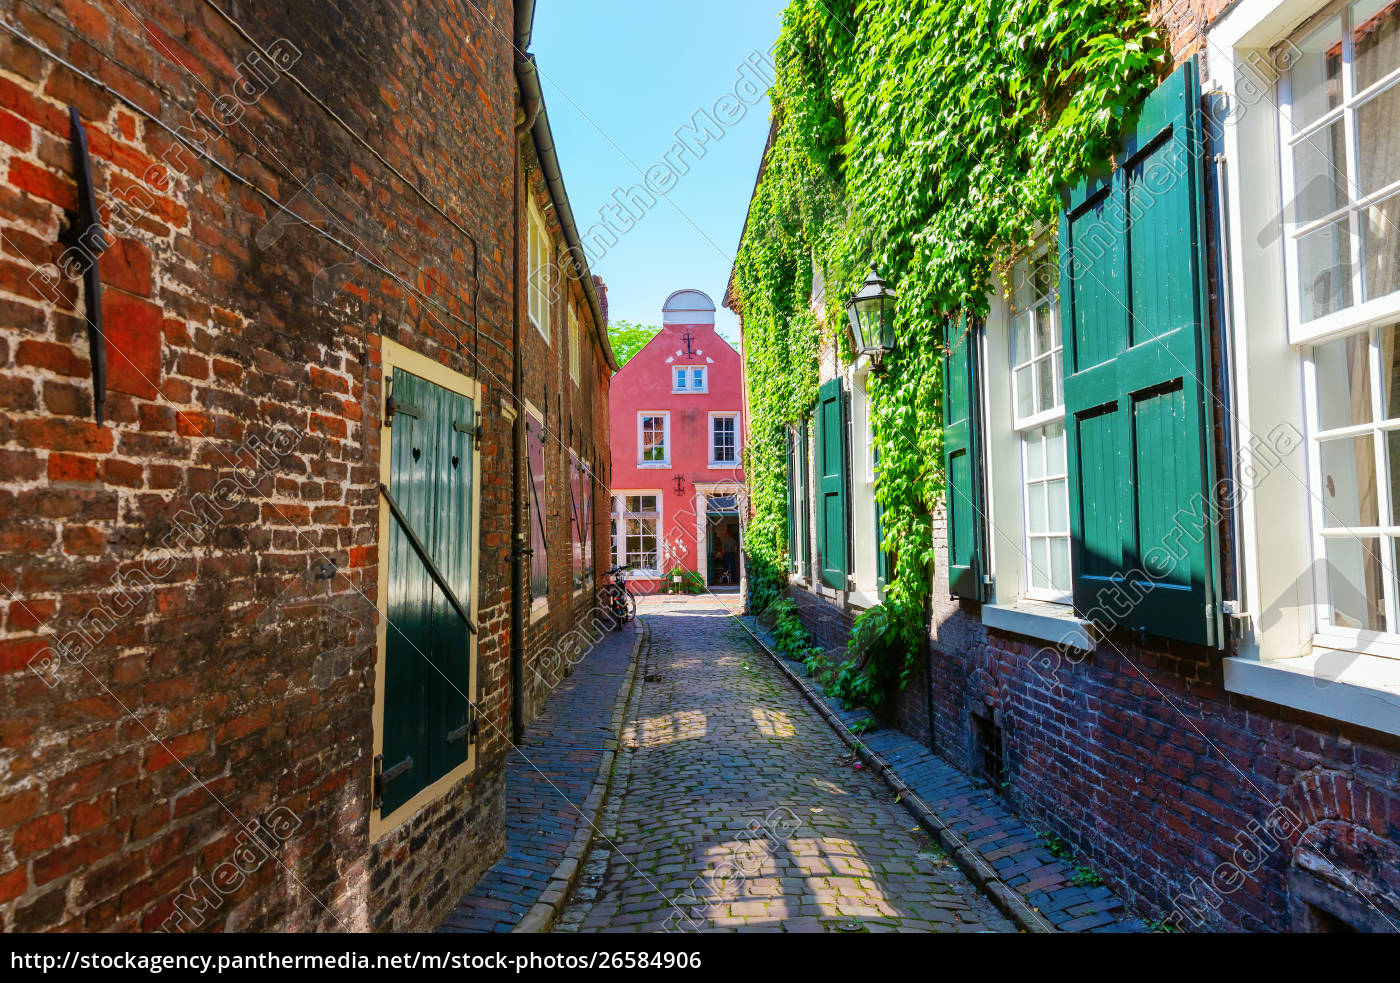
989,752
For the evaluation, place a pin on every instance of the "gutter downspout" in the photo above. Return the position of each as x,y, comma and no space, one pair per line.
519,546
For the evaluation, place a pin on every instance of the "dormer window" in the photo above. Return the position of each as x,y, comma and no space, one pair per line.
690,379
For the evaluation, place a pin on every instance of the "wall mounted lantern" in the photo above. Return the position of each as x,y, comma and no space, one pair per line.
871,311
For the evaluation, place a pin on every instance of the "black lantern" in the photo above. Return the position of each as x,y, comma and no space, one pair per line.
871,311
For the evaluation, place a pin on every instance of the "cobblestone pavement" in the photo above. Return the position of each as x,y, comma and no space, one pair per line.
547,778
737,808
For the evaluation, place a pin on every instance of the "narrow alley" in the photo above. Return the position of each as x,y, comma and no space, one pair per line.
736,807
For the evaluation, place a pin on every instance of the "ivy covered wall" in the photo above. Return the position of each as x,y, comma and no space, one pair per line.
931,138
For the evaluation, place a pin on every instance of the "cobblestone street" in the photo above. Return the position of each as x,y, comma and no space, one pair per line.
736,807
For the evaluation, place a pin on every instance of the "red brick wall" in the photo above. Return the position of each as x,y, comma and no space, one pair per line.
235,685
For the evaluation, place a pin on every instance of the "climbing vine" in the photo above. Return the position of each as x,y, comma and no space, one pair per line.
930,137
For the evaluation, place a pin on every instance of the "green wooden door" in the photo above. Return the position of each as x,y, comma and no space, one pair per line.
804,499
428,684
1133,306
832,484
962,462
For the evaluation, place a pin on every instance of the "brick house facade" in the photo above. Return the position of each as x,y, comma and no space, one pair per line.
195,668
1251,782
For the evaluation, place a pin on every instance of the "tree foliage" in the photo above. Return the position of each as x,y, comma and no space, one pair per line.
628,338
931,138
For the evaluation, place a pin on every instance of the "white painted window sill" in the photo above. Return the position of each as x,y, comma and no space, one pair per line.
1359,689
539,608
653,465
1054,623
863,599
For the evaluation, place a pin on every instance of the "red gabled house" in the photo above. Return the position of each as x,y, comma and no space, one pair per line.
678,436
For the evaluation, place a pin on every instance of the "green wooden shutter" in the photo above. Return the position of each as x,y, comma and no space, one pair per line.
831,484
804,498
428,684
792,506
962,462
1134,310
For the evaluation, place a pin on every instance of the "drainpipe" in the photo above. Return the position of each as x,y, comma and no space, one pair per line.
519,545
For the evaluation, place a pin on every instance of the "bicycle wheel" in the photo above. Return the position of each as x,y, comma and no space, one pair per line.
617,609
631,604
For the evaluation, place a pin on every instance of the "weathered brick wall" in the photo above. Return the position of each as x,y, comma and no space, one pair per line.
227,682
575,419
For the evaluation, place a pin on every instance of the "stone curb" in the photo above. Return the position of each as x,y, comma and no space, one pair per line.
540,917
969,861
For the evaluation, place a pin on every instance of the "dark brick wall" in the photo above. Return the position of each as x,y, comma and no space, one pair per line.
232,684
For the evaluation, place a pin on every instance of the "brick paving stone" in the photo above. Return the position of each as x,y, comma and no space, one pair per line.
734,789
982,820
551,771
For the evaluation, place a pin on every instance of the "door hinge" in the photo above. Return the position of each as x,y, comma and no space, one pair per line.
392,407
472,429
382,777
467,730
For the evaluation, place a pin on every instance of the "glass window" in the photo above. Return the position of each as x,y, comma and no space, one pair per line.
1038,410
724,439
688,379
538,512
1342,161
581,521
538,249
636,519
654,444
1355,427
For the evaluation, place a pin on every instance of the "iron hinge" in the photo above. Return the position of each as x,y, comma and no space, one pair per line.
382,777
472,429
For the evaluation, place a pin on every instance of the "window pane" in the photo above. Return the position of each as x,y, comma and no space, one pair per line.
680,378
1392,454
1354,583
1343,382
1315,80
1349,482
1320,173
1388,341
1035,460
1378,140
1324,270
1021,338
1036,507
1045,383
1380,246
1025,395
1044,341
1059,564
1040,563
1057,494
1047,272
1055,448
698,378
1375,33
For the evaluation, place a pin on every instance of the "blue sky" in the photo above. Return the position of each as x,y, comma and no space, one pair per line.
620,78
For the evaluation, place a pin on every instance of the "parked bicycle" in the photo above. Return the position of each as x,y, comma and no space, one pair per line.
616,599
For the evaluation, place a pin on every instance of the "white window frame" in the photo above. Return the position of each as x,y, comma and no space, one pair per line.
724,415
1037,420
539,270
1280,656
642,417
685,388
1359,312
620,518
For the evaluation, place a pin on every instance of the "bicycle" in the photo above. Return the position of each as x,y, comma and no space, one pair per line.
616,599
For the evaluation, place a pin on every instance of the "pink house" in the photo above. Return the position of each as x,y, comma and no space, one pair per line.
677,442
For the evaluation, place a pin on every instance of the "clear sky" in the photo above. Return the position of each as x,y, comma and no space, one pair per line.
620,77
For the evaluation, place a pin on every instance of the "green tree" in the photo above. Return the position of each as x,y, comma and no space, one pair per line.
628,339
